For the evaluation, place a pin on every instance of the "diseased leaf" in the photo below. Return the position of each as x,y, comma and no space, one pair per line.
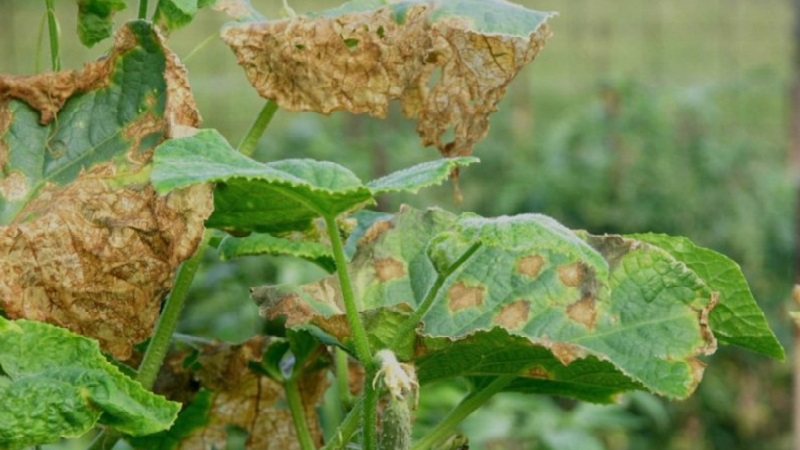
266,244
95,19
240,10
85,242
280,196
420,176
534,299
447,62
58,384
241,398
737,319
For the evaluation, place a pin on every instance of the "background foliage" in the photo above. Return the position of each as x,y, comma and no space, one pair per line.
669,118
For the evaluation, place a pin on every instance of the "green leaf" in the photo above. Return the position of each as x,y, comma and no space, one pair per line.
267,244
250,196
193,416
535,299
58,384
420,176
279,196
95,19
173,14
737,319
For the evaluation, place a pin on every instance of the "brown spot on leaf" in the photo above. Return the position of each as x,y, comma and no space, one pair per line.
14,187
530,265
583,311
389,269
572,275
375,231
705,328
461,296
697,368
513,315
95,255
537,372
567,353
444,74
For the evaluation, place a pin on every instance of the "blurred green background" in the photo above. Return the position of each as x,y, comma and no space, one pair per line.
639,115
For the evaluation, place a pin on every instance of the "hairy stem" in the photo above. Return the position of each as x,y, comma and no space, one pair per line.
248,145
168,321
370,409
142,10
358,332
411,322
468,405
343,379
52,26
298,410
347,428
354,320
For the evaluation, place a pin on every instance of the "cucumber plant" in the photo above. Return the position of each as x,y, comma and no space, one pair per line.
110,193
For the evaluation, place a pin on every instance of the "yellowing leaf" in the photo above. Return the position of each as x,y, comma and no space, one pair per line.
447,62
85,241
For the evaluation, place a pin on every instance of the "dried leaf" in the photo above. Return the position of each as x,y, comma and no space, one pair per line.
448,63
87,243
242,398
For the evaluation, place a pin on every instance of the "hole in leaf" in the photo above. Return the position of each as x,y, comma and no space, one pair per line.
351,42
381,31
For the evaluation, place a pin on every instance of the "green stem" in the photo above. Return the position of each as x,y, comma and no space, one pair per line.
52,26
347,428
356,326
142,10
343,379
358,332
248,145
370,409
168,321
298,414
468,405
37,64
413,320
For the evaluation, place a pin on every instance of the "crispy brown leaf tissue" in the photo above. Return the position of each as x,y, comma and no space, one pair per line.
241,398
446,75
97,255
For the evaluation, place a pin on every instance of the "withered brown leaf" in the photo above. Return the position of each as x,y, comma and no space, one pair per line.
86,243
447,72
242,398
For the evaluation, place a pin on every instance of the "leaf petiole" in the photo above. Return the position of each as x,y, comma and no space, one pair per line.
297,408
52,26
248,145
142,10
467,406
